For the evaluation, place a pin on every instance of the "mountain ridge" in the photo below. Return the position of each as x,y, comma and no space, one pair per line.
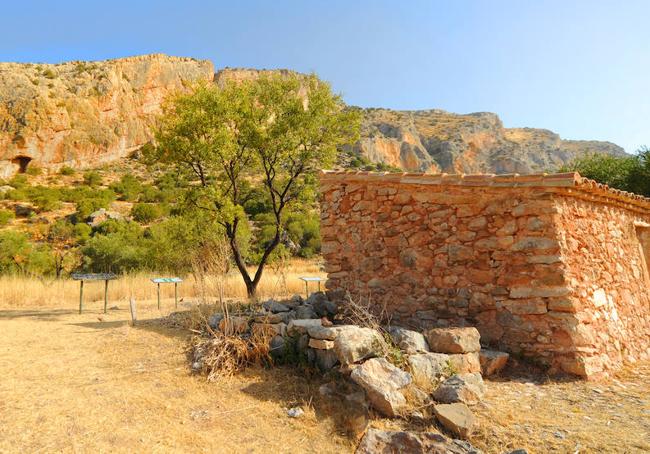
82,114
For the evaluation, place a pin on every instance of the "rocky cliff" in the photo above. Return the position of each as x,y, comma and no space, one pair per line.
83,114
439,141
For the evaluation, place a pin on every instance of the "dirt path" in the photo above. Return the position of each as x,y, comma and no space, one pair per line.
72,383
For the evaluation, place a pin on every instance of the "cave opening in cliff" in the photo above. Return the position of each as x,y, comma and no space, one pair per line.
22,162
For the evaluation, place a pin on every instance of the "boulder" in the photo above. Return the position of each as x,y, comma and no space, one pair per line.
429,368
407,340
354,344
378,441
326,332
97,217
306,312
465,363
299,326
275,307
457,418
356,417
382,382
321,344
214,320
453,340
325,359
234,325
321,305
466,388
492,361
277,346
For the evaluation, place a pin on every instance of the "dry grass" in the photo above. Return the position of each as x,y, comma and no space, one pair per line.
29,292
73,383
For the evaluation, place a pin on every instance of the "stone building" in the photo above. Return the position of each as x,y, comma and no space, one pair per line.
550,267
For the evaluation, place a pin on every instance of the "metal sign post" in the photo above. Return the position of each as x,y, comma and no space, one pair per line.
168,280
307,280
81,277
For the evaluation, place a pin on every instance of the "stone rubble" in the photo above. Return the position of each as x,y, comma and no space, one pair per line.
465,388
382,382
457,418
384,441
492,361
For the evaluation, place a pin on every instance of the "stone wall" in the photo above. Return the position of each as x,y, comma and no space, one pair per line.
607,273
431,251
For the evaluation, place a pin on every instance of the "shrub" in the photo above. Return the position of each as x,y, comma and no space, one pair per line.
34,170
49,73
128,187
65,170
6,216
146,212
92,178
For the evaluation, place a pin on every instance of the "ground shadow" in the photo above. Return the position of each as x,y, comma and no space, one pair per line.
48,315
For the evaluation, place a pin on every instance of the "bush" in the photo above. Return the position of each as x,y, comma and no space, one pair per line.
6,216
128,188
19,255
116,247
146,212
34,170
67,171
92,179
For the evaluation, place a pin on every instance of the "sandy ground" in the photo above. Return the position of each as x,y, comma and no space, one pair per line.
75,383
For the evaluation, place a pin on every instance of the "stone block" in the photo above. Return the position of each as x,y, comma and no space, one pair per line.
492,361
457,418
453,340
382,382
321,344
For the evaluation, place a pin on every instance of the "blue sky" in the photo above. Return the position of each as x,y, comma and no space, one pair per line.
580,68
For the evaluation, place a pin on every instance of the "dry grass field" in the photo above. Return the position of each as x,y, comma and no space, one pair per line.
93,383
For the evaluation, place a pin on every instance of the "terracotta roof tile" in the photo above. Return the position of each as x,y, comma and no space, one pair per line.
543,180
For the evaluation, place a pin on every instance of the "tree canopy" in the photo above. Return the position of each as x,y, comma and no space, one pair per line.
254,140
628,173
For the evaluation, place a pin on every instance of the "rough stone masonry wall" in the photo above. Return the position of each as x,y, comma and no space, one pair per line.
442,255
608,281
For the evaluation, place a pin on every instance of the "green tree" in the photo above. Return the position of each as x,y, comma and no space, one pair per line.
627,173
270,133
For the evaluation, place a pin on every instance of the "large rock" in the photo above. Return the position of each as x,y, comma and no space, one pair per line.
326,332
321,305
300,326
102,215
382,382
407,340
325,359
453,340
305,312
492,361
378,441
457,418
275,307
466,388
429,368
465,363
354,344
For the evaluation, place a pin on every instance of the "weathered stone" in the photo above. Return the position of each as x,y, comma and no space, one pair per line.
382,382
354,344
492,361
102,215
270,318
378,441
466,388
275,307
429,368
234,325
214,320
321,344
407,340
325,359
277,345
465,363
299,326
533,292
453,340
326,332
534,243
457,418
306,312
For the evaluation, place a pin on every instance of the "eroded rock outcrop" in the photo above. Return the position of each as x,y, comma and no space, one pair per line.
82,114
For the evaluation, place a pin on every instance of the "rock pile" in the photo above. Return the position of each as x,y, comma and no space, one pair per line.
439,374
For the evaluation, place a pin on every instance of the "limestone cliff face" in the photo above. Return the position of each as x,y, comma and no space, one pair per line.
439,141
83,114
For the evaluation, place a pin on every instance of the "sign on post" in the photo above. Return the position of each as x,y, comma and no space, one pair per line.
308,279
81,277
168,280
